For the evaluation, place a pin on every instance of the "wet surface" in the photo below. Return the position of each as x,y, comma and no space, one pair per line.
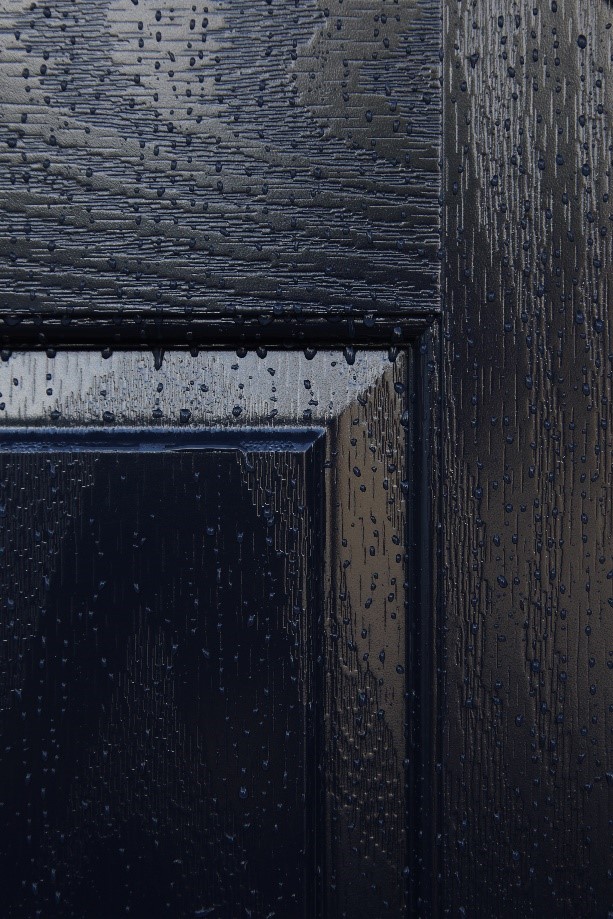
156,754
193,162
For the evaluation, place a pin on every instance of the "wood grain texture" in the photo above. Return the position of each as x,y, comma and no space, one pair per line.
528,357
165,165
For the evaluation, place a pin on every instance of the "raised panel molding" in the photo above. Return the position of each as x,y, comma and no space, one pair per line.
316,454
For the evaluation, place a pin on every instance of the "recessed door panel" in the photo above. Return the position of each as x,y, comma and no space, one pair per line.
157,715
205,643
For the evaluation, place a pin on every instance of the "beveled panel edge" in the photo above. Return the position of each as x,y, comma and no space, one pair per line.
209,389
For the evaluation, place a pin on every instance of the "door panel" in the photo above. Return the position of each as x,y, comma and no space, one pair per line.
162,747
204,642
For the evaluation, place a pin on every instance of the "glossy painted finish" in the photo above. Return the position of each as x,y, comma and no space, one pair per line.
299,205
527,352
206,636
160,746
237,170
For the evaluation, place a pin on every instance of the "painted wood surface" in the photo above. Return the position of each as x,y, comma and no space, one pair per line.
286,182
174,163
528,567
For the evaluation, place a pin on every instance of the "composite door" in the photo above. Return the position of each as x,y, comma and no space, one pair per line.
305,458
